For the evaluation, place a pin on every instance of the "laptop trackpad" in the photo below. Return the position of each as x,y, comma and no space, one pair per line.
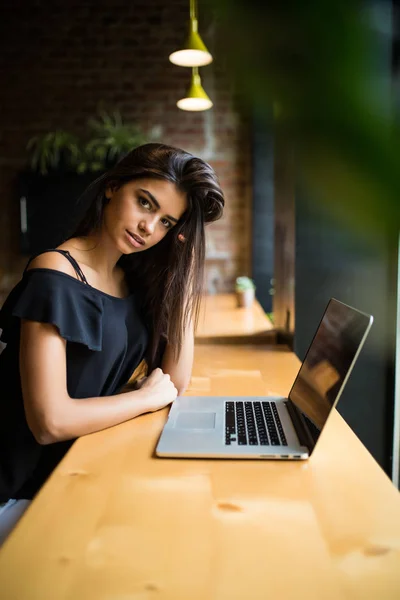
195,420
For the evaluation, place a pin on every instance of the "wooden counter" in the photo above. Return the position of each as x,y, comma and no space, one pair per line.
115,523
221,321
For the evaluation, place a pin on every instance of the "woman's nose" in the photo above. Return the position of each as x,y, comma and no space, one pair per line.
147,226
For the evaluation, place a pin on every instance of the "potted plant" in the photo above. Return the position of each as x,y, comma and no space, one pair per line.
53,151
109,139
245,291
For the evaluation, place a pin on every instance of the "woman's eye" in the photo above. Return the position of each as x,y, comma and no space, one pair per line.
145,203
166,223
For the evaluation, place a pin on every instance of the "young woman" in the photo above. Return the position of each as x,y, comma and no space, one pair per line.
122,291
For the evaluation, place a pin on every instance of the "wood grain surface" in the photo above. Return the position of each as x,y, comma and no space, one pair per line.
115,523
221,321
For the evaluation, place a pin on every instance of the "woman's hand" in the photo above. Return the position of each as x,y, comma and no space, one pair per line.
157,390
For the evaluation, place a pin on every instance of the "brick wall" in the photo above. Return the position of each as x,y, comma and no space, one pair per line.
58,59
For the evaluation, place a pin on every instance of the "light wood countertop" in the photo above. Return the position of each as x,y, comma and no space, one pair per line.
115,523
221,321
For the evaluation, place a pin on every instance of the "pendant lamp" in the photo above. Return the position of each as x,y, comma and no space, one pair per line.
194,53
196,99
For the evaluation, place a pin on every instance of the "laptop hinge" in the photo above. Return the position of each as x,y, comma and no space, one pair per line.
305,437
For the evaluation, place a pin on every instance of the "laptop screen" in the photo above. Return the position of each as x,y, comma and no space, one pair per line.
328,363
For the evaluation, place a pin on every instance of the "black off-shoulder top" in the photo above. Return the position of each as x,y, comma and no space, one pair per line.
106,340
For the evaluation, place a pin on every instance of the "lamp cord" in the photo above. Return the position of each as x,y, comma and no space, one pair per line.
193,9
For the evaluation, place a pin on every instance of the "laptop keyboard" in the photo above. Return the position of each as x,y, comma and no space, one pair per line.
253,424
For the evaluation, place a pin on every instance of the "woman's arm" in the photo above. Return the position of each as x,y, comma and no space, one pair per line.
180,370
52,415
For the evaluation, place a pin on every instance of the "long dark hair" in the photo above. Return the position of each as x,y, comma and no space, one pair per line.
170,274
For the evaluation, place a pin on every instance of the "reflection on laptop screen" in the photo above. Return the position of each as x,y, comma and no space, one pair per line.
328,362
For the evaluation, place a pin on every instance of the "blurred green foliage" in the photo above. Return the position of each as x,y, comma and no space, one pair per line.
109,139
244,283
51,149
325,68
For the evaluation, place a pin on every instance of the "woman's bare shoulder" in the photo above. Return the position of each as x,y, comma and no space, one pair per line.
52,260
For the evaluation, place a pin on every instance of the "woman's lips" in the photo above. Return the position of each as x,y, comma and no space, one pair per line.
135,240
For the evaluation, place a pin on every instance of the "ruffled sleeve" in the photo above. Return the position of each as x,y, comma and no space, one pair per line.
49,296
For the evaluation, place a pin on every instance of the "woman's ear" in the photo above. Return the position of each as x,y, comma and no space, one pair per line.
108,192
110,189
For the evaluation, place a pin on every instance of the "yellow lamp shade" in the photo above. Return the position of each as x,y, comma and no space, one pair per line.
194,53
196,99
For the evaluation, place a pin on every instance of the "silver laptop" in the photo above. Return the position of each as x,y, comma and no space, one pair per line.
269,426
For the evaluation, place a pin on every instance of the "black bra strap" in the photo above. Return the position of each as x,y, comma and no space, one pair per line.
74,263
71,259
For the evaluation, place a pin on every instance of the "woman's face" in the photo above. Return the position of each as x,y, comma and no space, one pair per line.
141,212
